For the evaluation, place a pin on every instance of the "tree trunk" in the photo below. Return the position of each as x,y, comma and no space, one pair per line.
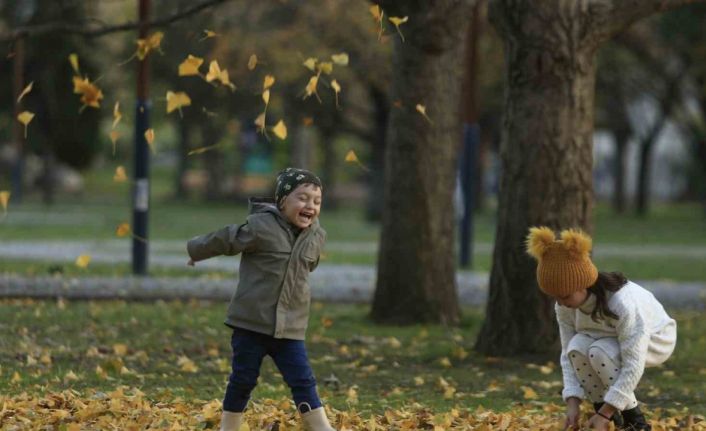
416,271
621,145
546,151
376,177
183,162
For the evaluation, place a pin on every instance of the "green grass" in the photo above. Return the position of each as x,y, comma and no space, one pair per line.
380,363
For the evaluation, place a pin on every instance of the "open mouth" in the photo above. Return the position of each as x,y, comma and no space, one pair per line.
306,216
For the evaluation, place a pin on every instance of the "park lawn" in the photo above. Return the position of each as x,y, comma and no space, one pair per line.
178,352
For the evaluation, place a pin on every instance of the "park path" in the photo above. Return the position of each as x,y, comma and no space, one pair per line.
330,282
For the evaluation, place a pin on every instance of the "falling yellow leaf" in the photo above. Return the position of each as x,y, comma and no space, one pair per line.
83,260
25,91
336,88
216,73
91,95
144,46
120,176
203,149
268,82
114,135
116,114
310,63
73,59
177,101
266,97
280,130
352,157
307,121
25,117
340,59
122,230
260,122
190,66
311,87
208,34
252,62
4,199
149,137
326,67
423,110
378,15
397,21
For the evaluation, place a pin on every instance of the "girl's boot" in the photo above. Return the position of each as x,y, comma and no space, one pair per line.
231,421
316,420
635,420
616,418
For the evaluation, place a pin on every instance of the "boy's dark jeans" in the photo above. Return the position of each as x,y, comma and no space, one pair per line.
249,349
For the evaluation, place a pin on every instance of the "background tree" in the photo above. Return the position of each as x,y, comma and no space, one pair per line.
416,268
546,150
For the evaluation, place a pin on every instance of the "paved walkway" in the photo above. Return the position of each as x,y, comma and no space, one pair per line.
330,282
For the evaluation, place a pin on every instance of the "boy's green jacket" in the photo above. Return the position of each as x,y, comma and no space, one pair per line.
273,295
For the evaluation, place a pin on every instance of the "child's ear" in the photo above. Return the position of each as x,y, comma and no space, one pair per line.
539,240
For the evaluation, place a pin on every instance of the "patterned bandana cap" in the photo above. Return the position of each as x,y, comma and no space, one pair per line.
290,178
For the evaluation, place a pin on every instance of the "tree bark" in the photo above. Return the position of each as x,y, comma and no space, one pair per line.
546,151
416,270
376,178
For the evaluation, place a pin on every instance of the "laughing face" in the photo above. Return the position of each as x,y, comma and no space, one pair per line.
302,205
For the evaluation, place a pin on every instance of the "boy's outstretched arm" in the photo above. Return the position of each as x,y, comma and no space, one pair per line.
229,241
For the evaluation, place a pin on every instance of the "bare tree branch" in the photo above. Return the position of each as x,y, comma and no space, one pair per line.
97,31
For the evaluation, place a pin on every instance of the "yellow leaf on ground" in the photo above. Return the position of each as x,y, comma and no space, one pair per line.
529,393
117,116
120,176
269,80
120,349
25,117
190,66
70,376
397,21
149,137
73,59
25,91
252,62
340,59
122,230
16,377
280,130
83,260
177,101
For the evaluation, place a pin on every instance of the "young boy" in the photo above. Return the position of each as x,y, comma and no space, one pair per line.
280,243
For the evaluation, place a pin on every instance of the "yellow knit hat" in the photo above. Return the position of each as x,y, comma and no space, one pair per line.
564,265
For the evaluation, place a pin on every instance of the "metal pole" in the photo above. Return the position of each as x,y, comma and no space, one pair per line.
141,188
471,138
18,129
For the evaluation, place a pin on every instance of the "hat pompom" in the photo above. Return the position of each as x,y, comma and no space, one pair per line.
577,243
539,240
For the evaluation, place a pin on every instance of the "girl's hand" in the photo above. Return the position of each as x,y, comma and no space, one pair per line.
573,412
190,262
598,422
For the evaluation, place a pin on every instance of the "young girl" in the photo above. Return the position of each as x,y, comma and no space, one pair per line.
610,329
280,244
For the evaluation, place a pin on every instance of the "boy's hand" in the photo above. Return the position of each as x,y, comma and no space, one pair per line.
598,422
191,262
573,413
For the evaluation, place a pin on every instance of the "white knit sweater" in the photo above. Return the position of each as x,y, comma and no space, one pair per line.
642,323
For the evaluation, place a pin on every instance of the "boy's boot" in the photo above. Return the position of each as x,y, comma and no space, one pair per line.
316,420
231,421
616,418
635,420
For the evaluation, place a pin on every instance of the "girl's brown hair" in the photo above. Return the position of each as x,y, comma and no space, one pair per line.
606,282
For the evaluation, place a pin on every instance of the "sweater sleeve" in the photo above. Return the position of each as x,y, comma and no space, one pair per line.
229,241
567,330
634,338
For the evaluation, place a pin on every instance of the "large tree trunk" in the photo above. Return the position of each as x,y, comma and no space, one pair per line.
546,151
416,271
376,178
